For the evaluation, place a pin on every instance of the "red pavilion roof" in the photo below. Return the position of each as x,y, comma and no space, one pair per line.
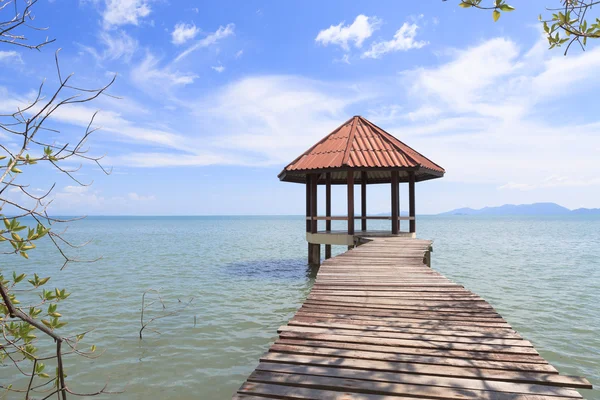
360,145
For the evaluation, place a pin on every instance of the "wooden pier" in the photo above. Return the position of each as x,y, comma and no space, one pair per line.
380,324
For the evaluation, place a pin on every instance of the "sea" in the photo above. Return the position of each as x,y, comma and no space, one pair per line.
228,282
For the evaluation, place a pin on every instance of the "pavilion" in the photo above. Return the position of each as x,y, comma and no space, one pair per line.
357,152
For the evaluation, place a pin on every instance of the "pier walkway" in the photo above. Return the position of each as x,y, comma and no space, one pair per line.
380,324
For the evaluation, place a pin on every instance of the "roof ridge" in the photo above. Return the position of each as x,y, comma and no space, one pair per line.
350,140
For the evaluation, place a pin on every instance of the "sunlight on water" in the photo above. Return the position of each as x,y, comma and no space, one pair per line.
248,275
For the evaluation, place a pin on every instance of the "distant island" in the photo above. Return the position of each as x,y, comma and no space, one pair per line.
524,209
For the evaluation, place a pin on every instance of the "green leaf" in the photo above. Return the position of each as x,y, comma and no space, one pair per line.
506,7
44,375
93,348
496,15
19,278
465,5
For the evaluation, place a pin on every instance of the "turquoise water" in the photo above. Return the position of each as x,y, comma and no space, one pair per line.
248,275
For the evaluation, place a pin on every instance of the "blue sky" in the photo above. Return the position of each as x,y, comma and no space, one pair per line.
217,99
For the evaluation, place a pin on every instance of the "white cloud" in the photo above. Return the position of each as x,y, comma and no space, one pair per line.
209,40
239,53
117,46
136,197
184,32
269,119
10,56
124,12
486,116
94,201
148,72
404,39
361,29
218,68
469,77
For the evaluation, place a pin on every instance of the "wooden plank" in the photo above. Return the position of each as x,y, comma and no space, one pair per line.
367,375
292,392
341,308
361,326
398,308
381,388
433,370
425,323
407,336
407,342
376,356
471,355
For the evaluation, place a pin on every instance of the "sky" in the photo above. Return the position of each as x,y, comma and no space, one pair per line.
215,99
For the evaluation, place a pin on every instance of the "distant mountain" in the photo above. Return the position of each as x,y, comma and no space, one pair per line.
524,209
587,211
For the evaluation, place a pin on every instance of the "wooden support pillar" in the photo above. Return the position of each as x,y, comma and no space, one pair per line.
363,200
313,202
308,209
314,254
328,211
411,201
395,203
350,202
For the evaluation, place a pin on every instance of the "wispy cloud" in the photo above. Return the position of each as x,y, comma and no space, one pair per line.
341,35
116,46
123,12
209,40
218,68
10,57
404,39
183,33
149,72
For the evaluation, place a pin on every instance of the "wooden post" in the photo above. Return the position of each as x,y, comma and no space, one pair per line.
350,202
314,254
313,202
395,203
411,201
328,211
363,200
308,209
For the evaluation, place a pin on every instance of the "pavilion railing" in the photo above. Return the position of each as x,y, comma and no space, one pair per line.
342,218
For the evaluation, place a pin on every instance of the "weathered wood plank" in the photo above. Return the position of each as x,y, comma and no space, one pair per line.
408,336
471,355
368,375
375,356
382,388
434,370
